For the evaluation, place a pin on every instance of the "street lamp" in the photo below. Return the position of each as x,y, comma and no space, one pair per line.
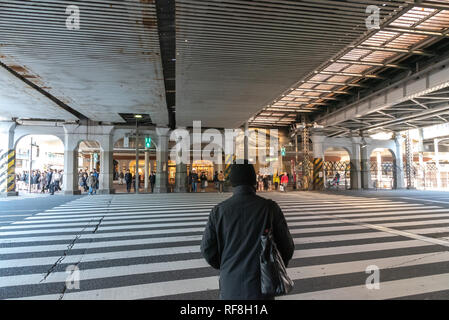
31,162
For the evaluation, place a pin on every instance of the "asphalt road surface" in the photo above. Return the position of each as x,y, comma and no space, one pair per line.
147,246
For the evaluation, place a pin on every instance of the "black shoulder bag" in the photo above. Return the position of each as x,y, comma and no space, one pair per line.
273,274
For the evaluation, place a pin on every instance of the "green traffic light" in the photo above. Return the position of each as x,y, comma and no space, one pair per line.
148,142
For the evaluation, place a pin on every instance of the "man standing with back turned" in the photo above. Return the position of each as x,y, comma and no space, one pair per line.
231,240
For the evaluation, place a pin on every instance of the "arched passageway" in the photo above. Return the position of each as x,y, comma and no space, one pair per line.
337,168
383,169
36,157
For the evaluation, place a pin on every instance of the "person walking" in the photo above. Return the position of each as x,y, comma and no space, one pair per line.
221,181
92,183
194,180
259,182
128,180
203,179
284,182
56,178
49,177
97,177
121,177
152,181
82,181
189,181
231,239
134,182
43,182
215,179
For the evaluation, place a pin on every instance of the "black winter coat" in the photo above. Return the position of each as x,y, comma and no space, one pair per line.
231,242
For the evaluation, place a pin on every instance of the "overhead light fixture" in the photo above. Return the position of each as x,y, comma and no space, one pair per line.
138,116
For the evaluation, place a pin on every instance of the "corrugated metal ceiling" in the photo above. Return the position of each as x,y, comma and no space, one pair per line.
235,56
400,36
111,65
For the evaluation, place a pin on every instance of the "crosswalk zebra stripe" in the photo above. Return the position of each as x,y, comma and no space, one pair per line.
294,273
73,259
100,235
320,229
388,290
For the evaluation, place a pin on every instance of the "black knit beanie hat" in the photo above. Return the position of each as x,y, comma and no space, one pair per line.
243,174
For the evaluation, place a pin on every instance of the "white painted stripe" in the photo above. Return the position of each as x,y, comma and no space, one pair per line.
100,273
73,259
416,234
8,263
361,265
100,228
388,290
141,222
320,223
99,235
383,232
294,273
139,291
427,200
102,244
355,227
81,217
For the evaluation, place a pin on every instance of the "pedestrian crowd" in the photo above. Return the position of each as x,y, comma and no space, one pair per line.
43,181
130,180
89,181
193,179
274,182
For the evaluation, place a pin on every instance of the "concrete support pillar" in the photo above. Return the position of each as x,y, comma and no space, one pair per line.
318,145
246,142
356,170
437,162
181,170
399,140
365,164
7,159
318,160
181,177
71,176
106,162
379,168
147,168
162,160
421,171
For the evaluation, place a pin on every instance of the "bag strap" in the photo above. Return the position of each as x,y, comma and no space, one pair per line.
269,220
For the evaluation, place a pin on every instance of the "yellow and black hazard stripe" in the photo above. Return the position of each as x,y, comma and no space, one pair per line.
7,171
229,159
11,185
318,180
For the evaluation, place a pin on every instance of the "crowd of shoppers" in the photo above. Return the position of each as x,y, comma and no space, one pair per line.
42,181
193,179
89,181
275,182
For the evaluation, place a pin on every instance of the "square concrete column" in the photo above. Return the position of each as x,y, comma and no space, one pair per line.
181,168
7,159
162,160
399,162
318,145
356,171
106,163
365,168
181,177
318,160
71,175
